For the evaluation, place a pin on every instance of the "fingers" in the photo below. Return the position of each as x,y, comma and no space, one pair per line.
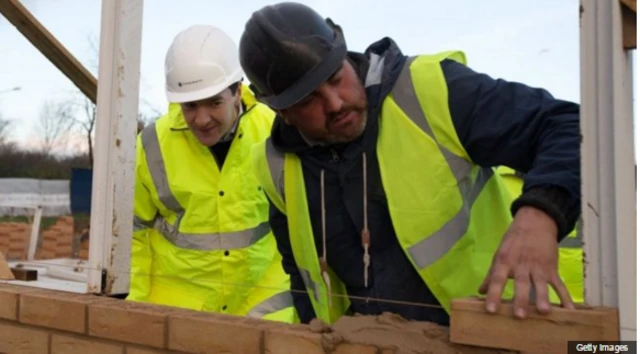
563,293
485,283
523,287
540,283
497,281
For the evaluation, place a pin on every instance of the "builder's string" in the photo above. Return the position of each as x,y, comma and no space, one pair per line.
129,273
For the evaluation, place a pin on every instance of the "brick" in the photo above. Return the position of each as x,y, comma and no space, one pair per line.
389,351
65,344
130,322
293,340
59,310
15,338
9,298
471,324
350,348
138,350
206,333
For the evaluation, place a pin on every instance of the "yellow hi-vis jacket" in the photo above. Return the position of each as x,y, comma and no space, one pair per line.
201,235
449,214
570,255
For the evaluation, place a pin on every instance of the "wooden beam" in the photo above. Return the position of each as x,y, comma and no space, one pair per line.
629,24
471,324
630,4
47,44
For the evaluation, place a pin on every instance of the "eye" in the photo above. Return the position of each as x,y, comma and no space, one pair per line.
189,105
336,78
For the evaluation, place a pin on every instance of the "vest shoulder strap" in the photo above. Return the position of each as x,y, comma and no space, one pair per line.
268,165
428,95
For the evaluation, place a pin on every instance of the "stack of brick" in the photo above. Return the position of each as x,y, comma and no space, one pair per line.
42,321
57,240
14,240
83,252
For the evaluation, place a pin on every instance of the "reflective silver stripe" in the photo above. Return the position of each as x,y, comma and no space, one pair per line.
309,283
139,224
275,303
275,160
404,95
204,242
572,242
213,241
376,68
156,166
434,246
429,250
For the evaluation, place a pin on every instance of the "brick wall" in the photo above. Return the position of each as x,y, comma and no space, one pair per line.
37,321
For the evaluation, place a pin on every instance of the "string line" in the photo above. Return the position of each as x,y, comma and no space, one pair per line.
38,263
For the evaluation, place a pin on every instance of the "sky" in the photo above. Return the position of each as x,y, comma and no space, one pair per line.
531,41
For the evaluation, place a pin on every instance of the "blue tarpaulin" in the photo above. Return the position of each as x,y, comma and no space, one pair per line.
80,190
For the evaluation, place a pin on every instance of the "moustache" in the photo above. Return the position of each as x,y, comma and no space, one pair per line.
346,110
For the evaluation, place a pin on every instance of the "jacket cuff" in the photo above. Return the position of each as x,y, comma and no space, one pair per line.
554,201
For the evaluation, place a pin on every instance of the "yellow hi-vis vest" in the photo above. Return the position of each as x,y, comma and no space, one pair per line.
449,214
570,255
201,235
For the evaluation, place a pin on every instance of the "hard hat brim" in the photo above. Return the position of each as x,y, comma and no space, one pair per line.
193,96
309,82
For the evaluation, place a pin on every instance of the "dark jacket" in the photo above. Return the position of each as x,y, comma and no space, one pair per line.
498,122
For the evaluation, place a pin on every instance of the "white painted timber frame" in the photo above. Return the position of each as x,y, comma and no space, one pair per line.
114,162
607,149
608,164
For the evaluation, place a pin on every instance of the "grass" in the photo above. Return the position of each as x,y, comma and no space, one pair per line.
46,221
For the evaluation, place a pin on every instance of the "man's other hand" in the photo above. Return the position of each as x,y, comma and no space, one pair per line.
529,255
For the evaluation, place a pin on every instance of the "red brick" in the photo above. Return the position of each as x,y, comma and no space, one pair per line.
59,310
130,322
206,333
65,344
15,338
292,340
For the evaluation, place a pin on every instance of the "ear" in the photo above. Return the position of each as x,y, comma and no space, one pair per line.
237,98
283,115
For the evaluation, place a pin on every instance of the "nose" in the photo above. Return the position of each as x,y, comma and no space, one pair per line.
202,116
332,100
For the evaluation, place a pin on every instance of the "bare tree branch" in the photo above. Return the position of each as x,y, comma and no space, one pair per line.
85,120
5,127
56,120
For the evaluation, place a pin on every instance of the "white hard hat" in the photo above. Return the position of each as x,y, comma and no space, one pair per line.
201,62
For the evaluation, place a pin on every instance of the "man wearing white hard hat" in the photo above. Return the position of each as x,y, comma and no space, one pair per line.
201,234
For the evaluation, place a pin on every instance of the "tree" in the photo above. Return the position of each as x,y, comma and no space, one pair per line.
85,120
5,126
56,120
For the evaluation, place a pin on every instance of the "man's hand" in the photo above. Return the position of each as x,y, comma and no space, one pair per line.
529,255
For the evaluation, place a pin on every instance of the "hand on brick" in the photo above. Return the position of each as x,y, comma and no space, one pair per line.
528,254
